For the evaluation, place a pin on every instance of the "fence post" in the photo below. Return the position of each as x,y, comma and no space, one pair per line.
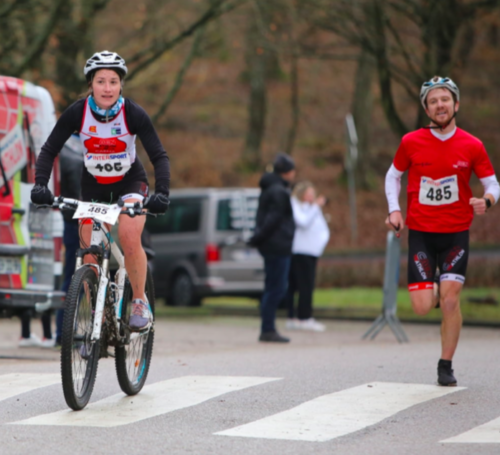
389,304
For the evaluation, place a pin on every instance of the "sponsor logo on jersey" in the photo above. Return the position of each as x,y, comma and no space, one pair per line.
97,157
116,124
461,165
422,264
93,129
116,131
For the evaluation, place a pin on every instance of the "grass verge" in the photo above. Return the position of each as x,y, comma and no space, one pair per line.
350,303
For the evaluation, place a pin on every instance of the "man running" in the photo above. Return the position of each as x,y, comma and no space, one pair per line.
440,159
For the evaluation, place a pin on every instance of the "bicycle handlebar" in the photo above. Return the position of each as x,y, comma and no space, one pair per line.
132,209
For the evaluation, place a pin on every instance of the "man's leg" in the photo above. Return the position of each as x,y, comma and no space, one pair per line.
276,268
452,317
71,242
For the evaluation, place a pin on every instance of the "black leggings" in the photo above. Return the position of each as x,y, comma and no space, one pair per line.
301,280
26,316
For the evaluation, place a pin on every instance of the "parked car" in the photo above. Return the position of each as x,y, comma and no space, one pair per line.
200,247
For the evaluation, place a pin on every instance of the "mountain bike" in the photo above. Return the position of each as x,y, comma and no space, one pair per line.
98,307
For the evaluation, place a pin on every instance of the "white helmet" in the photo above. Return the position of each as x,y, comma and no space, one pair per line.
438,82
105,60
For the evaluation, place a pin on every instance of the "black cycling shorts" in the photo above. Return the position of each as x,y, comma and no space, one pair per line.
427,251
109,194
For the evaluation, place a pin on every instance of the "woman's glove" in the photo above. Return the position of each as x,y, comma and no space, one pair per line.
41,195
157,203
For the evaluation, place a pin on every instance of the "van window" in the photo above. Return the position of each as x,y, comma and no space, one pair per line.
183,215
236,214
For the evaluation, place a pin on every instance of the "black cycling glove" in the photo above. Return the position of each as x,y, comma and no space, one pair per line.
157,203
41,195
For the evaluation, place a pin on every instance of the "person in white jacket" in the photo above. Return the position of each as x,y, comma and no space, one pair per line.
310,239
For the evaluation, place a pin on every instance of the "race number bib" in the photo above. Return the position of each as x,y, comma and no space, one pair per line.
110,165
438,192
102,212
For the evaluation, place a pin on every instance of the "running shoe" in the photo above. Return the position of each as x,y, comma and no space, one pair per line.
141,317
32,342
292,324
445,374
311,324
48,343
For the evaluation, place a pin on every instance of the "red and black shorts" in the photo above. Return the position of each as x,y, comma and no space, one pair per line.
428,251
109,194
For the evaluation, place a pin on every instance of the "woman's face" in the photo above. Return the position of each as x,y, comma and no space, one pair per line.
309,195
106,88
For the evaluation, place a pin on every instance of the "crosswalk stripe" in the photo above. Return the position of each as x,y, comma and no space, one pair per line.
17,383
154,400
486,433
340,413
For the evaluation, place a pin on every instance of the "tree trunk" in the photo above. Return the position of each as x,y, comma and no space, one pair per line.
362,107
257,103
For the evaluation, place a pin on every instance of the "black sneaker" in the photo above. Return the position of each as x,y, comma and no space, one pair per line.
273,337
445,374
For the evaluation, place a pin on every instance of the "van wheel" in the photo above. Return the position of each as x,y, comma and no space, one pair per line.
182,291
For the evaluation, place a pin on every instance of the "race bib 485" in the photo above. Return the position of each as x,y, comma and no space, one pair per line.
438,192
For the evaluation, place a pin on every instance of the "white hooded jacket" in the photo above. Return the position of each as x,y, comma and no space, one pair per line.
311,229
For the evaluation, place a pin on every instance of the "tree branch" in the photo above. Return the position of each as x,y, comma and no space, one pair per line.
8,8
41,39
215,11
180,75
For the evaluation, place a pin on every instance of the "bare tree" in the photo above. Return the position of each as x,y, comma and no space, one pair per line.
410,40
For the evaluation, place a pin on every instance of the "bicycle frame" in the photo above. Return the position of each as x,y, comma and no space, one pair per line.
101,234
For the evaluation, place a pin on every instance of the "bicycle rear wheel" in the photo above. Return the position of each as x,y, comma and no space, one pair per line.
79,356
132,360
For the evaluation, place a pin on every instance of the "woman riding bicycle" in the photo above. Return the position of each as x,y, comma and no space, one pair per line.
108,125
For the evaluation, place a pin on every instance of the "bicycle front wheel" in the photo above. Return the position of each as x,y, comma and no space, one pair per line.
132,360
79,356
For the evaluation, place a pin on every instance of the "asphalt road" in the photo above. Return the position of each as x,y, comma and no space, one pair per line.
213,389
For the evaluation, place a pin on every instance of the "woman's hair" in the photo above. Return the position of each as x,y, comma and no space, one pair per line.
300,188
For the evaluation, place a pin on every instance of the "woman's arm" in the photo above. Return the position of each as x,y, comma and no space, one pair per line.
140,124
304,214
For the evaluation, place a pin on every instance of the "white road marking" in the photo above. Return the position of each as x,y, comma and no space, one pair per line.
340,413
486,433
17,383
153,400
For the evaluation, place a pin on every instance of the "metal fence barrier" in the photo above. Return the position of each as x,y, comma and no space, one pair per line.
389,304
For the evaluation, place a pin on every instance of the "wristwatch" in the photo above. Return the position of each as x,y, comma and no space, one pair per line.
488,202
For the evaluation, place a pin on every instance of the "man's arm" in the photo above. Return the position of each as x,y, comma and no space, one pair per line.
272,220
392,189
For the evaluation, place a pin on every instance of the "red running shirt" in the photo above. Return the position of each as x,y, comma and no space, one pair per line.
438,178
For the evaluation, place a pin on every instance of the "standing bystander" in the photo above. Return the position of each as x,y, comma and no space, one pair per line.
440,159
71,162
311,237
273,238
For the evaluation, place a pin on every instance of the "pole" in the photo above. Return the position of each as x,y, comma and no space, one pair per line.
350,164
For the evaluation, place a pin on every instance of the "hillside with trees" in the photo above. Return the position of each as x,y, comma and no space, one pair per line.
229,83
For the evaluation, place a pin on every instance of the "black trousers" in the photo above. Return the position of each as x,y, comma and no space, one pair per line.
301,280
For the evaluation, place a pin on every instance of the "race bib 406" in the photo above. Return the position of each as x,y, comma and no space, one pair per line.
438,192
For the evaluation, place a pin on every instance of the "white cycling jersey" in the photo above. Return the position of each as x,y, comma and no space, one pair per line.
109,147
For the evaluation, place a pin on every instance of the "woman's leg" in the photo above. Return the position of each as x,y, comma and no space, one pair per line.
306,277
129,233
292,288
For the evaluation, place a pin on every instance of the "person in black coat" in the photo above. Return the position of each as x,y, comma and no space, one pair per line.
71,162
273,237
